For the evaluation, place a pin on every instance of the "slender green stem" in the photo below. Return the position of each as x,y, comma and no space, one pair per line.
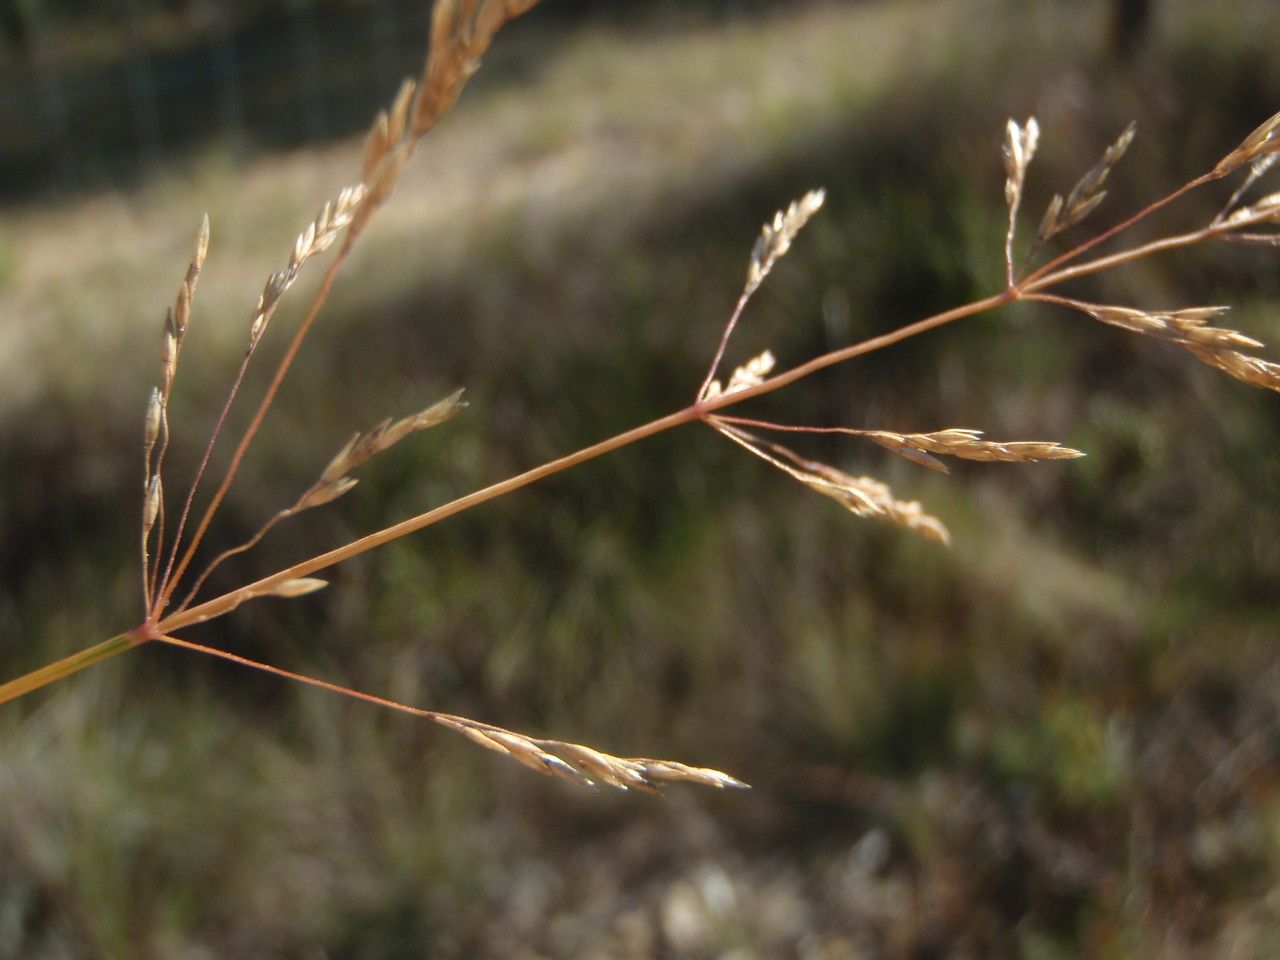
69,665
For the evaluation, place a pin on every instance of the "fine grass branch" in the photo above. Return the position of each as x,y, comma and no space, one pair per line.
461,32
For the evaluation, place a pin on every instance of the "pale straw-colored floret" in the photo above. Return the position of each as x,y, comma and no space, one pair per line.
777,235
586,765
968,445
862,496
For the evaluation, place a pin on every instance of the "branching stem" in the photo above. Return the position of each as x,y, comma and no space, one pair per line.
163,595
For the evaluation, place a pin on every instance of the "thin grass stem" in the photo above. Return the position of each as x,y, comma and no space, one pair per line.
69,665
158,609
299,677
326,285
1120,227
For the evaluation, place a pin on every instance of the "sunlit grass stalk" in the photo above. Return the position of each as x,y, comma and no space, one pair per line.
462,30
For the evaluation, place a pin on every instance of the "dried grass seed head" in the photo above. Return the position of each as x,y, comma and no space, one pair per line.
777,235
461,31
333,481
861,496
583,764
750,374
318,236
1020,144
1217,346
968,445
1263,141
1087,193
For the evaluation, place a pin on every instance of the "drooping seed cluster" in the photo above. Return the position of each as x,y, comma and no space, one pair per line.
967,445
585,765
1189,328
861,496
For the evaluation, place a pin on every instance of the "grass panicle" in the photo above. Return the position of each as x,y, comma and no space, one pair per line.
462,31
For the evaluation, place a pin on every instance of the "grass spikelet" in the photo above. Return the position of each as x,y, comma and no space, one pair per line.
151,423
387,434
1264,141
749,374
862,496
1020,144
333,481
777,235
775,240
187,289
969,445
318,236
461,31
1188,328
1086,194
583,764
1251,370
387,131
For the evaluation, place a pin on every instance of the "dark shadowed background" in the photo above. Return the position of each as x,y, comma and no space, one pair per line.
1059,738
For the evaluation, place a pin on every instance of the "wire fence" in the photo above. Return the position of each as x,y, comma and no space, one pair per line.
116,99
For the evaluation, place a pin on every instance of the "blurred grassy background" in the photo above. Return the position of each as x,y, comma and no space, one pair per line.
1057,739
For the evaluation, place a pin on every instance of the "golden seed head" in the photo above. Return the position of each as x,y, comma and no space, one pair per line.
583,764
776,236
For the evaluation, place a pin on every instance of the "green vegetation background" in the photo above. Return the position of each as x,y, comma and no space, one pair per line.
1057,739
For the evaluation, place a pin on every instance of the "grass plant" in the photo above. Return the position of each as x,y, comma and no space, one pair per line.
170,541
